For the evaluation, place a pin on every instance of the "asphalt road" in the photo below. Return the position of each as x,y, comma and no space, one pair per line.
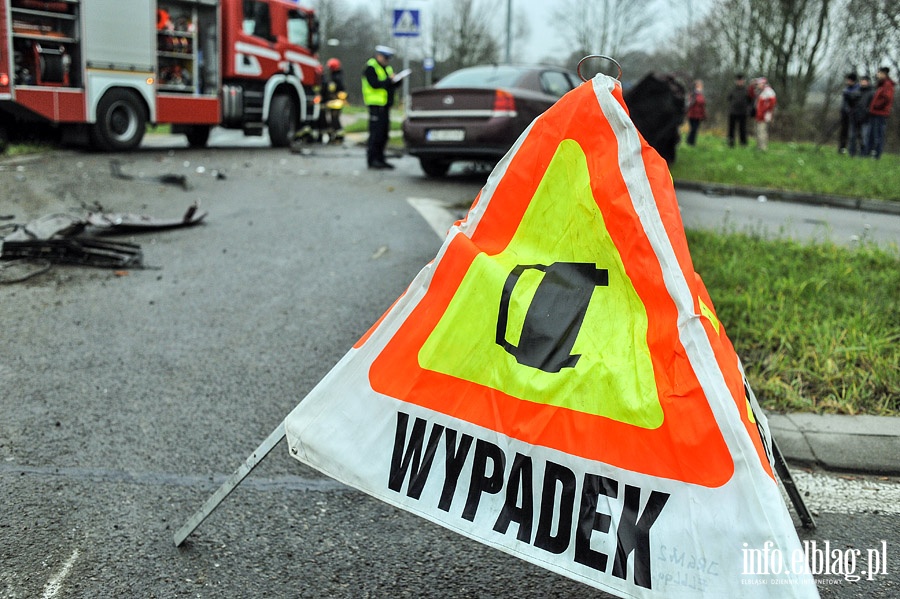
128,396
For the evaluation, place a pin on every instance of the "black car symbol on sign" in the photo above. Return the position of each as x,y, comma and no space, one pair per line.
554,316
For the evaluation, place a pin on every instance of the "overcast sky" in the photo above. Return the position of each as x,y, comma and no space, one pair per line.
545,38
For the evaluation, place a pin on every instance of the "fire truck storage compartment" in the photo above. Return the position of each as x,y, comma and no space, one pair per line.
119,36
186,46
45,42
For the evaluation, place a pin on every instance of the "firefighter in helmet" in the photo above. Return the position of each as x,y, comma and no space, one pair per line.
334,98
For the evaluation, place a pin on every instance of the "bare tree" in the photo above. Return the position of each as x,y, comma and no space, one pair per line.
609,27
785,40
870,35
355,33
737,44
463,34
795,34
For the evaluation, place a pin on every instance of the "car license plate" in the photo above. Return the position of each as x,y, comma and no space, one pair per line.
445,135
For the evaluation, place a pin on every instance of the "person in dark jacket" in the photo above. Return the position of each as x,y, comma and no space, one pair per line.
738,107
879,110
656,105
849,98
858,131
696,112
378,94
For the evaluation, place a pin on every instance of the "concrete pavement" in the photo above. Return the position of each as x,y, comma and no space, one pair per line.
866,444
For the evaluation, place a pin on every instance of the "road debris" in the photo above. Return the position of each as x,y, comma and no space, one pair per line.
115,167
68,239
80,251
111,222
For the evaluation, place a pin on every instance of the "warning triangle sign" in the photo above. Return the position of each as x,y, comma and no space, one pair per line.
556,383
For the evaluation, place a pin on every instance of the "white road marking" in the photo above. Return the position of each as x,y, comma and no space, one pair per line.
435,213
54,585
847,494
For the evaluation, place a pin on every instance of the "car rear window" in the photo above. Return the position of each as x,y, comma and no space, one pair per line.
555,83
488,77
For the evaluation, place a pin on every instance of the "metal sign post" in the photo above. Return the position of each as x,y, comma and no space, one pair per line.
781,468
230,484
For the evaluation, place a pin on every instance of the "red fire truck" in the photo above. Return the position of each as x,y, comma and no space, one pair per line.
101,70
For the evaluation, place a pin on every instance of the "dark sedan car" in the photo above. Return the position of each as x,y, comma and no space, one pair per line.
477,113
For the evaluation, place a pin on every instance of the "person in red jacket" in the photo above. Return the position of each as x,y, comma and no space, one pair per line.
696,111
879,110
765,112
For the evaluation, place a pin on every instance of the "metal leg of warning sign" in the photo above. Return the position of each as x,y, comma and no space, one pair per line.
787,480
230,484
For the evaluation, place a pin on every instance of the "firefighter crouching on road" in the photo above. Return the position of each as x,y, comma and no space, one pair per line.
378,94
335,97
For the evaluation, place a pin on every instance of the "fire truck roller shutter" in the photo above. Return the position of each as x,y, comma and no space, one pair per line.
121,121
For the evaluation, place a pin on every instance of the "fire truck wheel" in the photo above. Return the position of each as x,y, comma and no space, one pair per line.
4,139
282,121
121,121
197,136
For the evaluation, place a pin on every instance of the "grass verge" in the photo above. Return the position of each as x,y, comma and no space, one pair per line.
23,149
817,326
793,166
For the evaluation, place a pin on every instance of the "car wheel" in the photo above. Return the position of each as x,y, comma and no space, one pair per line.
434,167
282,121
121,121
198,136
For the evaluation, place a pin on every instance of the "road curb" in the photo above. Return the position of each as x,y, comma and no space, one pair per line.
864,204
867,444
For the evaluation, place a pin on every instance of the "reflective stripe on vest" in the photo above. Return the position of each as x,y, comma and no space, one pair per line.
373,96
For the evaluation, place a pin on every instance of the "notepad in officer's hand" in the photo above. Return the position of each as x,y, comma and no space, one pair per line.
398,77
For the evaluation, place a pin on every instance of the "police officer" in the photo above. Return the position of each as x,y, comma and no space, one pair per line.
378,94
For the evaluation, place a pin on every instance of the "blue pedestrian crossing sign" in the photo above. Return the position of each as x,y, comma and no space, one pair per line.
406,22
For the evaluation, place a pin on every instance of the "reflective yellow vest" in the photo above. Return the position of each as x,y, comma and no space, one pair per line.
373,96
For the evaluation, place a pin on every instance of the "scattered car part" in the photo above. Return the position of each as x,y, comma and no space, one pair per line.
82,251
111,222
58,239
115,168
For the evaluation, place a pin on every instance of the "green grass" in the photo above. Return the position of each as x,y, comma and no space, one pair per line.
817,326
23,149
360,124
165,129
801,167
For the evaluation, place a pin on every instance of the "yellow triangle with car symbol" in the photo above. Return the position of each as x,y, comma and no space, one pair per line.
562,242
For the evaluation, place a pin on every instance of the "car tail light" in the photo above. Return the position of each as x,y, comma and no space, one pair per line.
504,103
4,79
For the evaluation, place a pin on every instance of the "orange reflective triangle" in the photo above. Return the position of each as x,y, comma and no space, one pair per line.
551,321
